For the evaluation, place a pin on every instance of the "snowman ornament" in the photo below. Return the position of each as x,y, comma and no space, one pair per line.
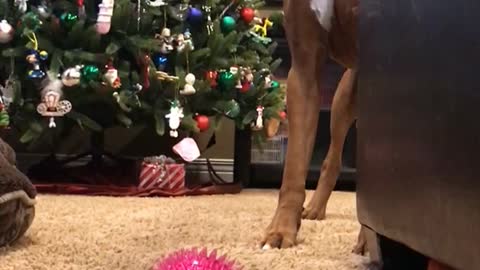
189,89
174,118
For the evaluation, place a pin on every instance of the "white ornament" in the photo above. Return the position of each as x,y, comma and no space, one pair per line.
174,119
21,5
166,40
71,76
259,122
189,89
104,19
6,32
52,105
156,3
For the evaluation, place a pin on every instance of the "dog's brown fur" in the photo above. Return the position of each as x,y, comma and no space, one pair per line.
310,45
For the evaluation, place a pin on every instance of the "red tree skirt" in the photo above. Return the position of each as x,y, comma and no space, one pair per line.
111,190
117,180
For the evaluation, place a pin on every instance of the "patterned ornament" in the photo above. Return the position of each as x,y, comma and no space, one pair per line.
6,32
72,76
195,260
52,104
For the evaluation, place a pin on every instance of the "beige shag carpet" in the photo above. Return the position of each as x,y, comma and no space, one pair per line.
87,233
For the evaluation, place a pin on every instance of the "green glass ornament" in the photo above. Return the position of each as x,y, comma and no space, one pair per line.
228,24
31,21
226,81
274,85
90,73
68,19
232,109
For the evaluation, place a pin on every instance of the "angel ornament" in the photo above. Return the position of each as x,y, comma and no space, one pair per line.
174,118
189,89
258,125
166,40
52,104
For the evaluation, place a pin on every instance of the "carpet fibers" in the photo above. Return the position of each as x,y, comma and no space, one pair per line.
86,233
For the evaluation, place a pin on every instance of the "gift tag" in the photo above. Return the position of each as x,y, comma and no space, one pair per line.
187,149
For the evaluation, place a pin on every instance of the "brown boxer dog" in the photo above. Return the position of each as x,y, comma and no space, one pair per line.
315,30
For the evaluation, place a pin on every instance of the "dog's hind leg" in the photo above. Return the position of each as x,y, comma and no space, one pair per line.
342,117
308,46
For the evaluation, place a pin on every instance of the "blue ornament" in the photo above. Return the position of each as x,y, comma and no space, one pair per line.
194,15
160,62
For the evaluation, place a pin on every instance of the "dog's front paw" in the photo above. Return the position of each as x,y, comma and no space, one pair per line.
360,248
313,213
282,232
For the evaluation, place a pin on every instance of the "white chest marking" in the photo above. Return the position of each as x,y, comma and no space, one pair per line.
324,11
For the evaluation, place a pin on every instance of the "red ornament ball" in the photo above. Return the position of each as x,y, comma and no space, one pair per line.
247,14
203,123
283,115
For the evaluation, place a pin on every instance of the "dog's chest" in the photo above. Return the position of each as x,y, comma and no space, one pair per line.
324,10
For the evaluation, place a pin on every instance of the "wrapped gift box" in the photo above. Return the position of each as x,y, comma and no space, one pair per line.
161,173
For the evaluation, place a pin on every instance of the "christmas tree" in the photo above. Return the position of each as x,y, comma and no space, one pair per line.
179,66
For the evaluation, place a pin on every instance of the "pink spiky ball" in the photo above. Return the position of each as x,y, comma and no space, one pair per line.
192,259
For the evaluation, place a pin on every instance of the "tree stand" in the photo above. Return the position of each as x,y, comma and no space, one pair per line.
102,168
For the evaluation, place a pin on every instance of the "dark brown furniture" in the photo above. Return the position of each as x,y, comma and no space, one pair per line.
418,183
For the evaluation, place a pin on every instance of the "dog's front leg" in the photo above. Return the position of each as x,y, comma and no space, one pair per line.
303,110
308,47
